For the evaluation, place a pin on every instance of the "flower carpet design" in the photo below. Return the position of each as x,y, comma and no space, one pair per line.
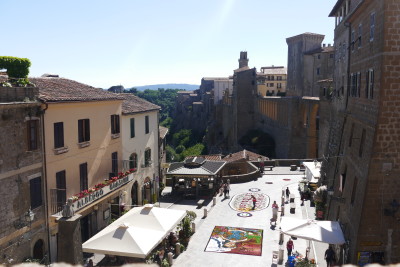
243,202
236,240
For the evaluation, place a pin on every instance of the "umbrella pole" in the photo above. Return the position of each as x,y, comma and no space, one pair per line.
308,249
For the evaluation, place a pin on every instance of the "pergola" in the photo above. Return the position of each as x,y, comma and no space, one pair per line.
195,176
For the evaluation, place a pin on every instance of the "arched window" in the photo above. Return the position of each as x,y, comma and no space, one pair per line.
133,161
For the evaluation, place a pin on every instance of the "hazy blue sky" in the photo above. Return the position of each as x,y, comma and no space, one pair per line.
142,42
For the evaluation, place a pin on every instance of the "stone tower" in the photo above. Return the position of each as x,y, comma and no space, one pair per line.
243,60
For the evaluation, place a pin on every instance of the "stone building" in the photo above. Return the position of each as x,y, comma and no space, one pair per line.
23,222
362,164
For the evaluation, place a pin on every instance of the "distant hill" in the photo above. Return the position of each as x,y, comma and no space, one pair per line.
182,86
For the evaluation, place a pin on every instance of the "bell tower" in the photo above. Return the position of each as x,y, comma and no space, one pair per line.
243,60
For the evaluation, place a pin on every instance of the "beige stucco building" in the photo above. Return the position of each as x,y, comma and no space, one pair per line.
140,137
271,81
82,148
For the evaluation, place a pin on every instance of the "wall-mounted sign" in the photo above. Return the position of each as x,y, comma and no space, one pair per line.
83,202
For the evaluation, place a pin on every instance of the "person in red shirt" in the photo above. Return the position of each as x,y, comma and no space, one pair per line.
289,247
253,198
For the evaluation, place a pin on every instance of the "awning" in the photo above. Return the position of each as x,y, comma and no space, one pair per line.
136,233
321,231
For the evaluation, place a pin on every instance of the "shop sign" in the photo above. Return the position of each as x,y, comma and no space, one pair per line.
81,203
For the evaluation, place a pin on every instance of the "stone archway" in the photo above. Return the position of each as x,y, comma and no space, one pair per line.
38,250
135,194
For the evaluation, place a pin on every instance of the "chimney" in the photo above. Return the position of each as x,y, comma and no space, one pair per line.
329,45
324,45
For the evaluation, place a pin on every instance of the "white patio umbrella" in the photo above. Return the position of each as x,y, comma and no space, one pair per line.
321,231
136,233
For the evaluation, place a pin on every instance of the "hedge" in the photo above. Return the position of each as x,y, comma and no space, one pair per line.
16,67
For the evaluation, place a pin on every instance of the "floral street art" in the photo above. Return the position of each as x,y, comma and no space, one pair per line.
243,202
236,240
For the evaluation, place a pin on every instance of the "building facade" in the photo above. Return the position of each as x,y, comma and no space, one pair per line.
82,148
271,81
140,137
23,223
363,170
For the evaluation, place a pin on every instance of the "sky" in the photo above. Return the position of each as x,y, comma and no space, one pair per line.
142,42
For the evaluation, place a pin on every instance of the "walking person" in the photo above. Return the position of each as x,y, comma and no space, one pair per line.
287,192
274,212
225,190
253,198
289,247
228,187
330,256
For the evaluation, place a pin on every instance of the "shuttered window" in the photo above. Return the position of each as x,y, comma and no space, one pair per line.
58,134
83,173
61,189
115,124
147,128
32,134
35,185
83,130
132,122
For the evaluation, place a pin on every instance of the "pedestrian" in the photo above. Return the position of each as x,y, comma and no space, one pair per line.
261,165
228,187
287,192
329,256
253,198
225,190
289,247
90,263
274,213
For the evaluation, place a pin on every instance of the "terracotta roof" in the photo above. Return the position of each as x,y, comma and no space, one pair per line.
134,104
65,90
243,155
214,157
163,131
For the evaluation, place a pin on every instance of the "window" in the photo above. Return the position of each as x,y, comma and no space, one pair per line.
114,163
114,124
318,71
32,134
358,84
354,191
359,35
61,189
352,40
83,130
147,157
372,27
319,56
58,134
351,135
271,85
279,78
147,130
133,161
279,85
369,84
83,174
331,55
132,123
362,143
35,186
